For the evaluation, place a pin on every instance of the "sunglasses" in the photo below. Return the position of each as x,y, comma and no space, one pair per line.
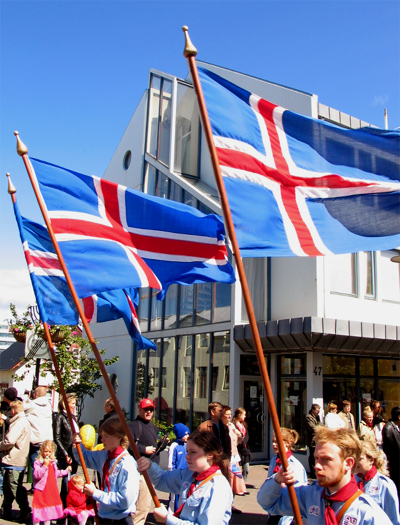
149,409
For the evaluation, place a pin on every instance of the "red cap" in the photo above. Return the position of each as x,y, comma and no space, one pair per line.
146,403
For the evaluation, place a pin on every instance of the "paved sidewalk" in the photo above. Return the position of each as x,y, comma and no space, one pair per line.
252,512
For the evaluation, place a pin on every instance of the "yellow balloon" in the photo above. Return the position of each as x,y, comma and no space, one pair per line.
88,436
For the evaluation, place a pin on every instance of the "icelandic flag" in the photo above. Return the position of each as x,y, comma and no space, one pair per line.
300,186
122,238
114,305
56,306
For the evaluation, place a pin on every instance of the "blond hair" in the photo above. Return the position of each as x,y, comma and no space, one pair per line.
77,478
290,437
372,452
17,406
47,443
70,397
367,412
347,441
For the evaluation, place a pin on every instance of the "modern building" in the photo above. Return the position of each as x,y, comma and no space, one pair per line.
329,326
6,337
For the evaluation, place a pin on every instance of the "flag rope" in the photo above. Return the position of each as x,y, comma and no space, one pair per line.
190,53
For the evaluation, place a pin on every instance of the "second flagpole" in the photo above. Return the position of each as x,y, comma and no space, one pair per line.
190,53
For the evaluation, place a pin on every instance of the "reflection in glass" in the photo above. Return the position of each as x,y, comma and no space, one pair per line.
156,311
370,274
203,303
338,365
150,179
162,186
184,379
144,309
220,359
293,409
165,127
154,111
153,389
171,307
222,302
202,359
168,380
186,305
186,131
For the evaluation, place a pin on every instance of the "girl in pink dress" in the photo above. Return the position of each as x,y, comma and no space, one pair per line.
46,504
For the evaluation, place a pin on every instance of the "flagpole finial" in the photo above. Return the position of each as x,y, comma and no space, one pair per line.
21,148
11,187
190,50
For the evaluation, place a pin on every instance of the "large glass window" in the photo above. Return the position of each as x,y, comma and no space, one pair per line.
156,311
222,302
186,131
202,361
144,304
171,307
153,387
184,379
186,305
343,274
203,303
168,390
159,123
220,359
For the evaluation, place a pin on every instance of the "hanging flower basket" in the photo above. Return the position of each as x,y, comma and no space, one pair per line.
20,336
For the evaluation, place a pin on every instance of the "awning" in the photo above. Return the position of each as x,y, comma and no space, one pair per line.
317,334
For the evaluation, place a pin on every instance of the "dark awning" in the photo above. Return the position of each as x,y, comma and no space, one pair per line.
317,334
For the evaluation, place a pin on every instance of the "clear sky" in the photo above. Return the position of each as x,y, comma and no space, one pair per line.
73,72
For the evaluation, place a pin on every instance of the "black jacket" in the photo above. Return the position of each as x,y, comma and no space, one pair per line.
145,434
63,436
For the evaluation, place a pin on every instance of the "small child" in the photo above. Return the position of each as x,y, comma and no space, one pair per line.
79,505
47,504
177,458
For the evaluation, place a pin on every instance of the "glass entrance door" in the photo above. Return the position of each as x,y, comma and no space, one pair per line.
253,402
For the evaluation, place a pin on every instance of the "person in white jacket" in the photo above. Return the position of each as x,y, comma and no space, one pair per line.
15,449
332,418
40,417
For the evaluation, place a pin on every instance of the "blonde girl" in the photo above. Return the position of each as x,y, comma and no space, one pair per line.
47,504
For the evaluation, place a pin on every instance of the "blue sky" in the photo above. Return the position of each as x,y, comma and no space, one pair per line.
72,73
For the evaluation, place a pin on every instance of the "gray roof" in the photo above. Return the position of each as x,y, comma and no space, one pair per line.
12,356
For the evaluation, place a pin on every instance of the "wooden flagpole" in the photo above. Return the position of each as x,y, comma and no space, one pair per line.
190,53
22,151
12,191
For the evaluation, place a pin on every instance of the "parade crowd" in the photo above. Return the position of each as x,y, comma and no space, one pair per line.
354,473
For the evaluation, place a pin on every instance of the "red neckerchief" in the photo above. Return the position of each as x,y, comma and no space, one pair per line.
196,478
370,425
242,428
342,494
279,462
364,478
111,455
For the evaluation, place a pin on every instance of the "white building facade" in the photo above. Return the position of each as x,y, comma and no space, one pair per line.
329,326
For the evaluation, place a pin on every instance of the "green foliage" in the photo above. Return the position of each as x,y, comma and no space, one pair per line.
165,429
141,382
20,324
78,366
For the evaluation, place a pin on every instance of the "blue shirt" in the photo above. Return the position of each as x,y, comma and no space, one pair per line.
384,492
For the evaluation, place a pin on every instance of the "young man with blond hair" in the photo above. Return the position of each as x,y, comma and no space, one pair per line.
334,498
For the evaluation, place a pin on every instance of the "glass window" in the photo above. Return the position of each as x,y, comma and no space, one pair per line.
141,376
370,274
171,307
154,112
184,379
156,311
389,367
186,131
389,395
203,303
293,409
366,367
339,365
343,274
186,305
150,179
293,365
389,282
127,160
168,380
189,199
162,185
154,377
165,127
202,359
220,359
222,302
175,192
255,269
144,309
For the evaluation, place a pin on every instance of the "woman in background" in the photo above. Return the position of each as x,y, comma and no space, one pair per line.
243,447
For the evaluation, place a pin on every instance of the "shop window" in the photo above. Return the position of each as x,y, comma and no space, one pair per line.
293,409
366,367
293,365
343,278
389,368
338,365
389,395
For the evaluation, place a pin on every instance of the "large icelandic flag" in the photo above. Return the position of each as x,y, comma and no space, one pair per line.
122,238
300,186
55,303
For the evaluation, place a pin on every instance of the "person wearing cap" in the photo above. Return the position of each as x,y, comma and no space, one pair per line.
177,458
10,395
145,434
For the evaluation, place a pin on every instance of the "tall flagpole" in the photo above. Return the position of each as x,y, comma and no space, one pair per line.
12,191
22,151
190,53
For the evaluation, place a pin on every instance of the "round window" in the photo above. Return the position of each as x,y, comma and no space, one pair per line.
127,159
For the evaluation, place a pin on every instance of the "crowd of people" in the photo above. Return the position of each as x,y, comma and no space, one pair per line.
353,473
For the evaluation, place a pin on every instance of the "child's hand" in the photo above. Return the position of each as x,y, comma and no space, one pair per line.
69,468
46,461
68,460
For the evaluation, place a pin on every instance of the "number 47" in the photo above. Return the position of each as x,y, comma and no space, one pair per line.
317,370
